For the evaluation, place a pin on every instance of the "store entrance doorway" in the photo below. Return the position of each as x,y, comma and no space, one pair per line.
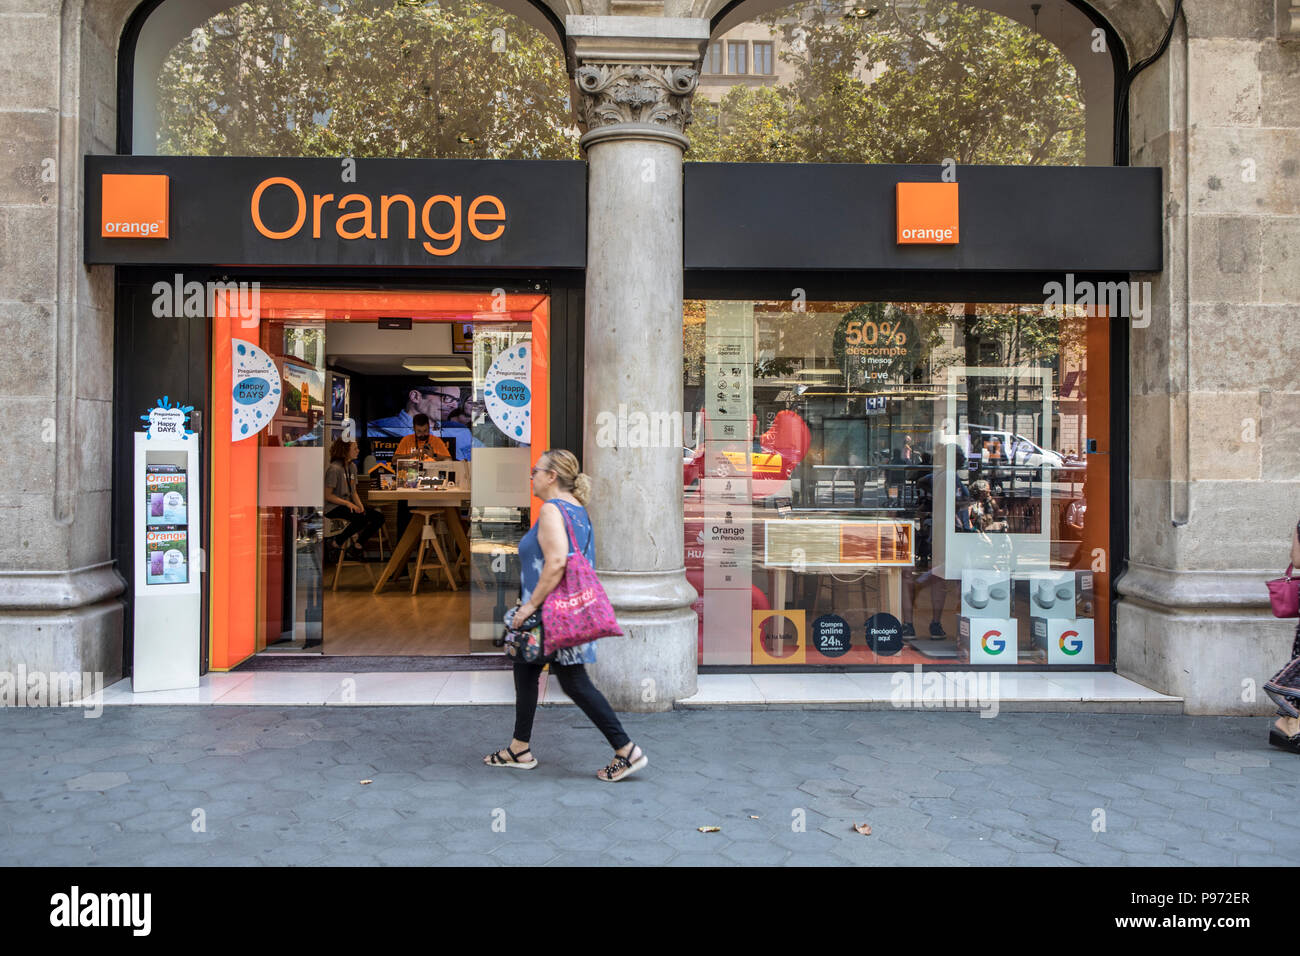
370,494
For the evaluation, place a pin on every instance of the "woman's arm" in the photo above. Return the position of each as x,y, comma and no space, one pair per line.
1295,545
553,537
336,500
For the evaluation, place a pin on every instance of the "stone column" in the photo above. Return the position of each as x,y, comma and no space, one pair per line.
1214,392
635,76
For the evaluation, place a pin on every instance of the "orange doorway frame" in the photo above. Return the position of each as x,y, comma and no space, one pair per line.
233,559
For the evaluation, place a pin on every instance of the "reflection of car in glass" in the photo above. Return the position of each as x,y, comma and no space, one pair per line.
764,464
994,446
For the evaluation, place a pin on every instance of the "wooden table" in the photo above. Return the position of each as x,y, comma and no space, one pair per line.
448,500
829,545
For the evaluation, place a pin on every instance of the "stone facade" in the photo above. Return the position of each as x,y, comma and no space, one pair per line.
1214,392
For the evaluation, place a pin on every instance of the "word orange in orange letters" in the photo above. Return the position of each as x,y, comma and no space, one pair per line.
442,218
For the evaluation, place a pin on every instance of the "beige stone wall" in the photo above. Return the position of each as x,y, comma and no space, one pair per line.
58,606
1215,472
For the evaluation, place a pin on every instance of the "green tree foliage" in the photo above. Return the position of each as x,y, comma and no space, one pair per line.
933,81
367,78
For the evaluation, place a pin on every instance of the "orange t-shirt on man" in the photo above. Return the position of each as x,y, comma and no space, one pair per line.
430,446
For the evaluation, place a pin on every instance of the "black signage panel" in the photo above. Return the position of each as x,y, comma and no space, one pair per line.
843,216
368,212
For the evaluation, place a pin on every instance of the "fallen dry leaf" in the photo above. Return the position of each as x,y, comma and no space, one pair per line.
709,829
367,781
863,828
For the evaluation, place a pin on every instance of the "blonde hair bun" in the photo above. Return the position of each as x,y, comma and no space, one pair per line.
567,471
582,488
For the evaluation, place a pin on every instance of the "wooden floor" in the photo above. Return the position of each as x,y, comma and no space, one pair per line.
356,622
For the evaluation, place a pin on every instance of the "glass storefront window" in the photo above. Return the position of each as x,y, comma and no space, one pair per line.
897,483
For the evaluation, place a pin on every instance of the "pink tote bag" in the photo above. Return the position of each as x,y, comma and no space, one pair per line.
1284,595
578,610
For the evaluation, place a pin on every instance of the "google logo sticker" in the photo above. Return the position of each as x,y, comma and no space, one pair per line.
993,643
1070,643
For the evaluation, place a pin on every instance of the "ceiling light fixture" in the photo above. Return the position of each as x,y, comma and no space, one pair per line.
433,364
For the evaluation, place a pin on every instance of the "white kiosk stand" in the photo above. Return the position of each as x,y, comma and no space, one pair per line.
168,555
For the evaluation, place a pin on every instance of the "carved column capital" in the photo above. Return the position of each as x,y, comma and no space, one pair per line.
635,100
635,76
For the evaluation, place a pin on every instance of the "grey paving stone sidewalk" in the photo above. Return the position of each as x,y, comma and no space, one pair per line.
282,786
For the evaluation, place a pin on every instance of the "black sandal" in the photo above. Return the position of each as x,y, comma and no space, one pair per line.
495,759
621,767
1280,740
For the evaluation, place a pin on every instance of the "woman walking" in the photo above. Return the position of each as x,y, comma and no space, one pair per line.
1284,688
543,553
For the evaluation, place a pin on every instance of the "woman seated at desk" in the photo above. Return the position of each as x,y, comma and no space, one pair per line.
344,504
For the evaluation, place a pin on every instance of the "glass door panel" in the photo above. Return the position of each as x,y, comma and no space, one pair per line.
290,490
500,499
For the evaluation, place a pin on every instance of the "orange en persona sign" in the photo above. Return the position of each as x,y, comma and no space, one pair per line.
927,214
134,206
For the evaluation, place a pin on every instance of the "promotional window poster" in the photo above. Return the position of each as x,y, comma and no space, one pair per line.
165,495
339,388
304,390
165,553
393,402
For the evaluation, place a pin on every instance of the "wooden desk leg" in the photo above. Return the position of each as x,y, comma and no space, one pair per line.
893,591
462,540
779,576
410,538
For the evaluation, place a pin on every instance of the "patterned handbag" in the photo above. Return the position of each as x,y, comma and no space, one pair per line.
525,642
578,610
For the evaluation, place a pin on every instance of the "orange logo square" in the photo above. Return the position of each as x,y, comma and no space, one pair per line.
133,207
927,214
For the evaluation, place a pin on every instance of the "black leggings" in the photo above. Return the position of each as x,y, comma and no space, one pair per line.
364,525
574,682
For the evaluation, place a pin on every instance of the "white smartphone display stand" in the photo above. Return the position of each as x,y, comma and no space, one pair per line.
168,561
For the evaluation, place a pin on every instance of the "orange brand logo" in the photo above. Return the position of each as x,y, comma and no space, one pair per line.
133,207
355,216
927,214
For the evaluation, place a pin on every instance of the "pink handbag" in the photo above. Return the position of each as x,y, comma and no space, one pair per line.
578,610
1284,595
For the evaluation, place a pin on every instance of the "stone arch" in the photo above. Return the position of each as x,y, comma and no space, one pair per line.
1138,25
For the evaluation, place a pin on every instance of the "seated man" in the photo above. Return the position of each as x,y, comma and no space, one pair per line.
425,446
422,443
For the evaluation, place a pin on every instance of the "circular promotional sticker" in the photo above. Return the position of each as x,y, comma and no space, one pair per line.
884,634
255,390
507,392
830,635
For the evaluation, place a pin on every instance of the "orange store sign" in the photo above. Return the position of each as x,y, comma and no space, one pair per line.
134,206
357,216
927,214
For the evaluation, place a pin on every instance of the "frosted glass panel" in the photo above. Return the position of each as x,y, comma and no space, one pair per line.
291,477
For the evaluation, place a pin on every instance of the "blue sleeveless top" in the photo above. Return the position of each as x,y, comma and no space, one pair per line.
530,569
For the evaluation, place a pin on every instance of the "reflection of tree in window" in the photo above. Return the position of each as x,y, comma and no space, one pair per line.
363,78
934,80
